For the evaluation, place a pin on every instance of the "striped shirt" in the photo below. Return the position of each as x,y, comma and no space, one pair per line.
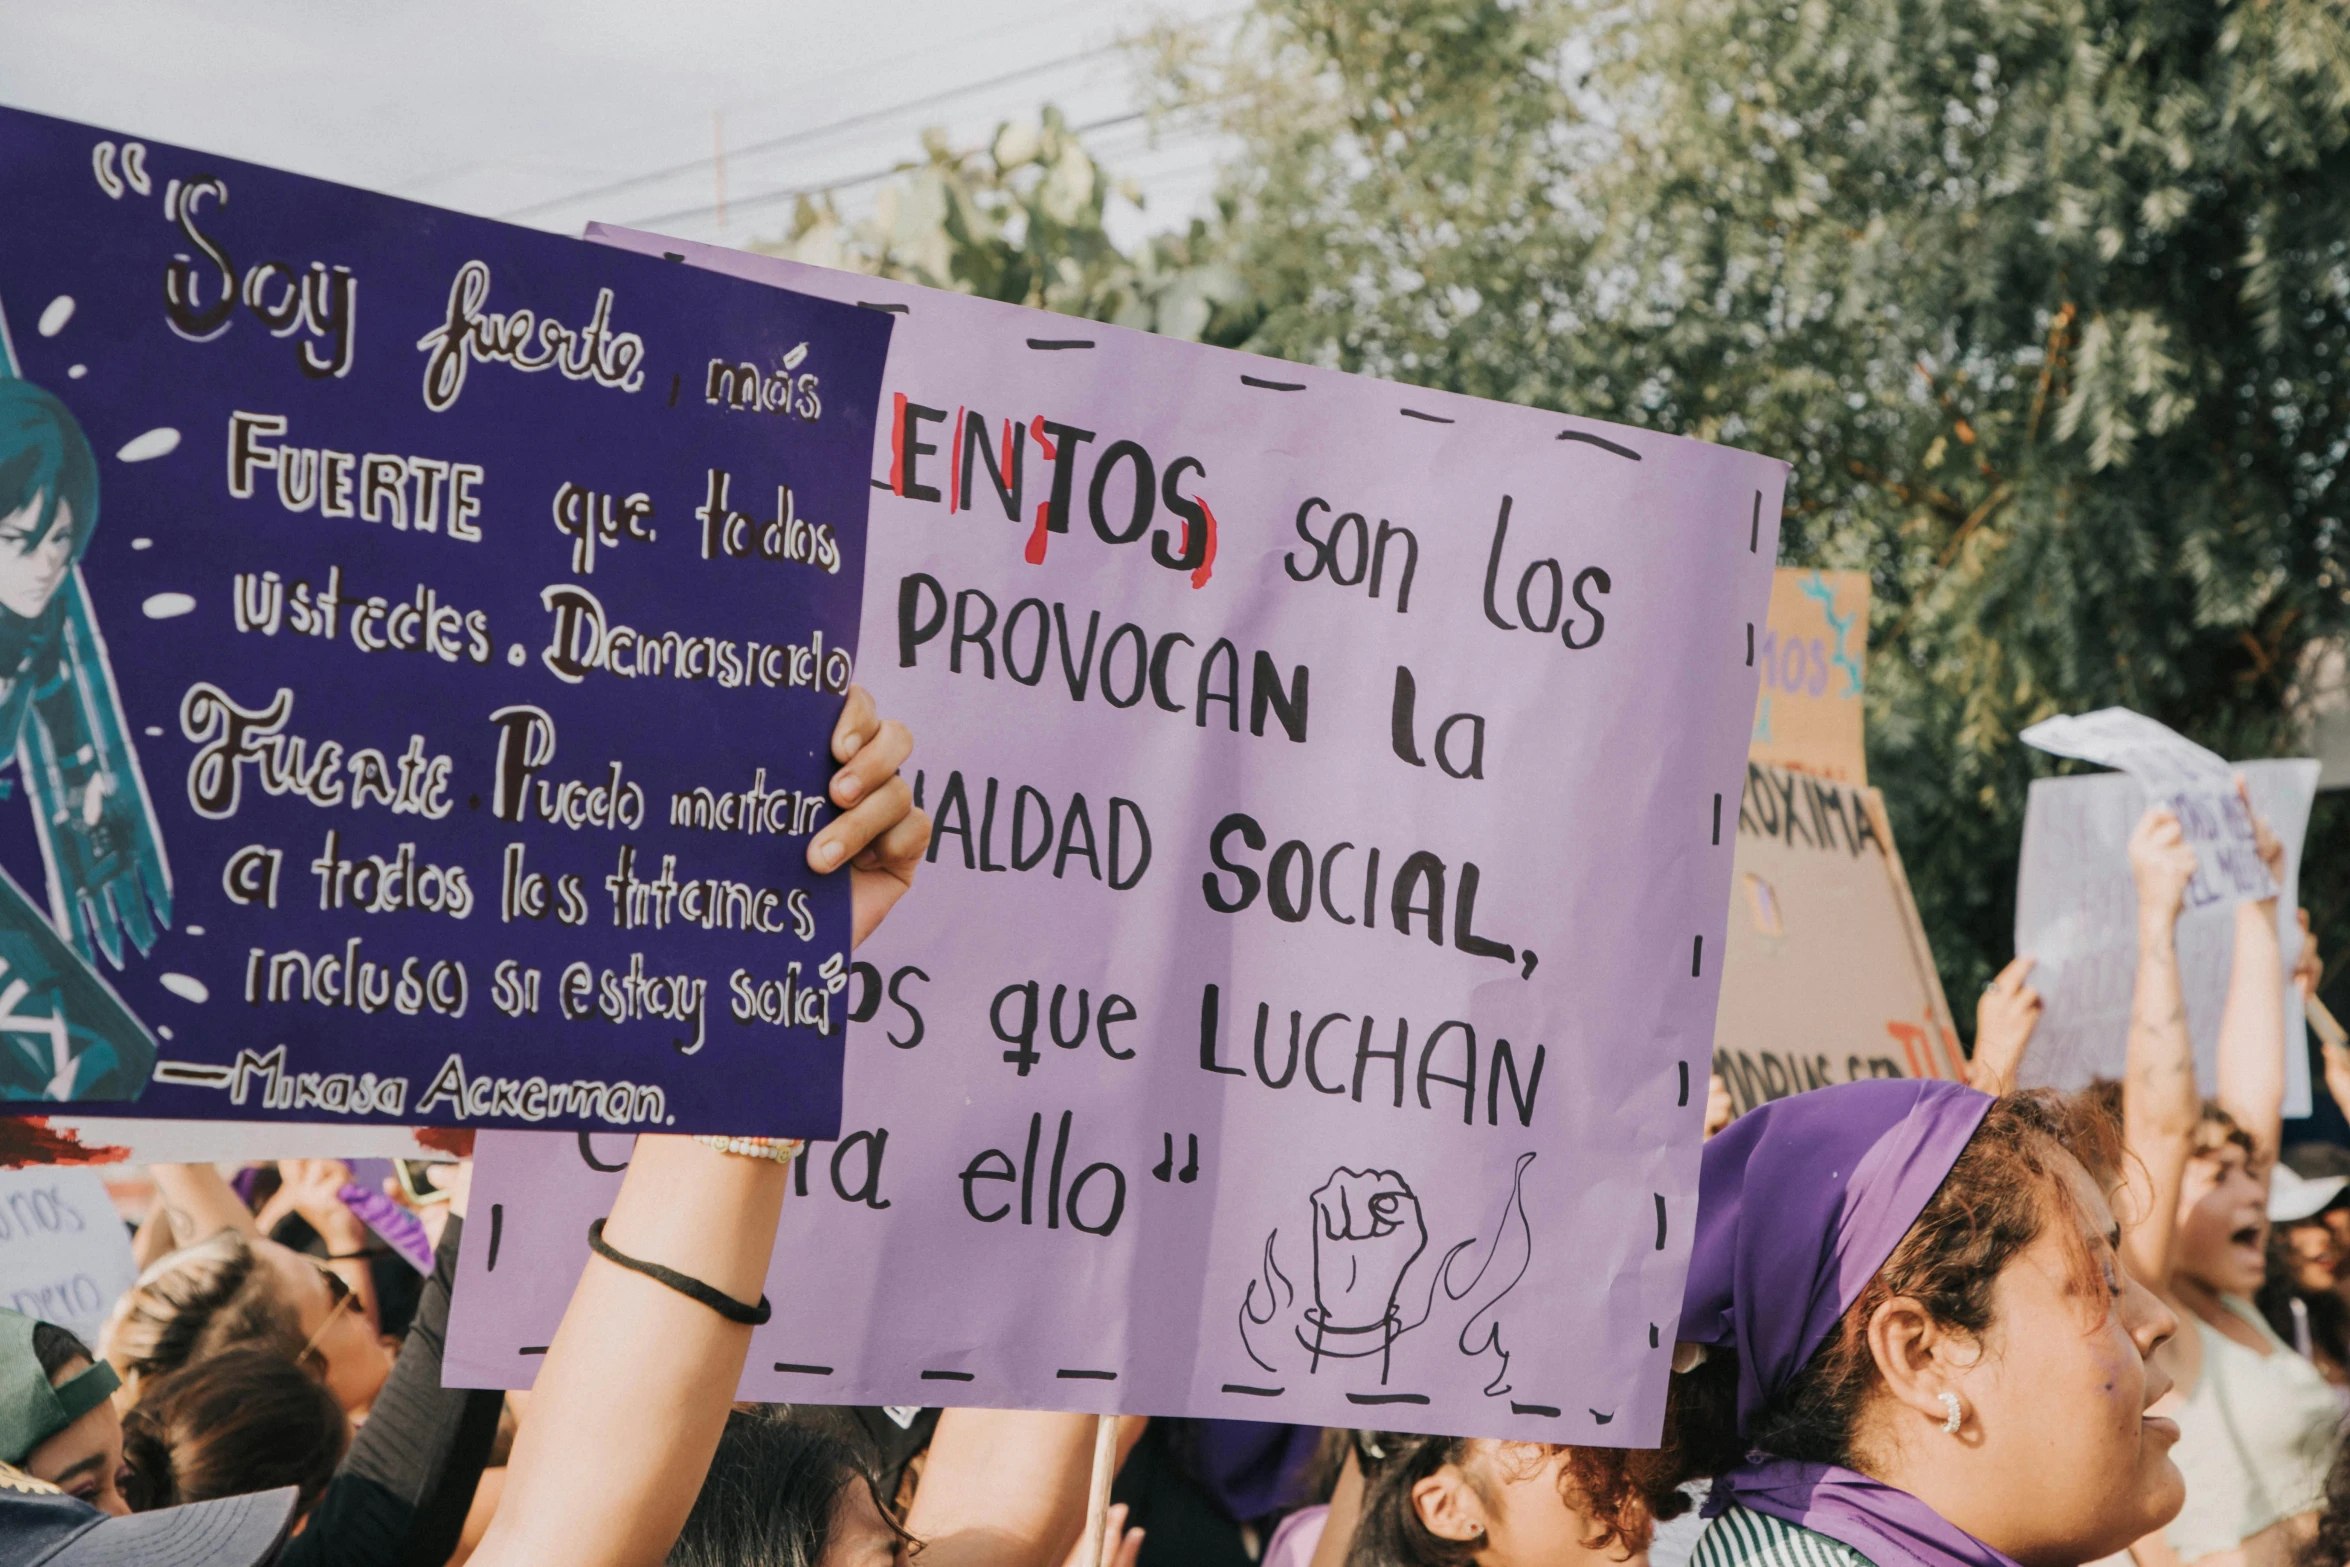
1741,1537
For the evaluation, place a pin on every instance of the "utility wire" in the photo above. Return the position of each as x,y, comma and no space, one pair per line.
902,166
812,133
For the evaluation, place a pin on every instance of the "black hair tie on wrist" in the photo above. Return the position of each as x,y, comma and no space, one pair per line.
693,1289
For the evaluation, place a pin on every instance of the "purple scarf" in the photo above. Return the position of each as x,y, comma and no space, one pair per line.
1838,1175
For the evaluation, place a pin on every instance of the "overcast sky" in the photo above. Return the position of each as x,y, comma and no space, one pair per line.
539,112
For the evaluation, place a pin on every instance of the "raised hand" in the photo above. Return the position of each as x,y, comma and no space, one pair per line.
879,833
2162,862
1367,1231
2004,1021
2264,842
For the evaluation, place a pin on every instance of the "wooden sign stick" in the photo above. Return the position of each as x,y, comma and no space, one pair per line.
1097,1498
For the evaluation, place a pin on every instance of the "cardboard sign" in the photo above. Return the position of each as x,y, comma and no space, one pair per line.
2192,782
419,686
2076,913
1307,1005
1815,645
1826,976
64,1255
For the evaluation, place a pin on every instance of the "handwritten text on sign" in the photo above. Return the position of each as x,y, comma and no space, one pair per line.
433,725
64,1256
1305,1013
2076,916
2190,782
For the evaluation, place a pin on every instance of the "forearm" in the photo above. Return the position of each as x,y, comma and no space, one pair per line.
628,1408
2160,1106
197,1203
1003,1488
2252,1032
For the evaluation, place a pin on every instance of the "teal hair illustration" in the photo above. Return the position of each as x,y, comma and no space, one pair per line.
64,1034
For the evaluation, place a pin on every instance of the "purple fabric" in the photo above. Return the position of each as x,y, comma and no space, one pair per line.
1836,1176
1890,1527
1254,1466
400,1229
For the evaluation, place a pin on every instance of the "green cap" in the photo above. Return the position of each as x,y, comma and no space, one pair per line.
31,1411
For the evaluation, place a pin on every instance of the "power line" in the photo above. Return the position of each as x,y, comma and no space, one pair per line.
812,133
769,198
1052,15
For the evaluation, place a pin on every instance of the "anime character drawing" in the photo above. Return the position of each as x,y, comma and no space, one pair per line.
64,1034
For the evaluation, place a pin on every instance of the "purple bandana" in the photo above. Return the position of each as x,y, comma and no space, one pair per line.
1836,1177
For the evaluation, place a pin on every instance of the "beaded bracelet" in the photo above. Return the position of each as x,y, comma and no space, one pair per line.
691,1288
783,1150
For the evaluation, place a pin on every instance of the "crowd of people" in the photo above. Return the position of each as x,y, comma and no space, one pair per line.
1926,1322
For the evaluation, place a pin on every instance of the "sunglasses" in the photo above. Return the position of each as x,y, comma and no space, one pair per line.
341,1293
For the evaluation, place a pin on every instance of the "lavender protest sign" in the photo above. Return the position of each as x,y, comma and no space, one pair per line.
1305,1012
432,732
2075,915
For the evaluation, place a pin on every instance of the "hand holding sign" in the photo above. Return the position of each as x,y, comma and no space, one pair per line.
880,834
2099,861
2162,862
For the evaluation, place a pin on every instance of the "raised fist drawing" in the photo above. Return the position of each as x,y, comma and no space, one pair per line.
1367,1233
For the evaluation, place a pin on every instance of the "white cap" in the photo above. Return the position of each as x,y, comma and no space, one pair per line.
2292,1198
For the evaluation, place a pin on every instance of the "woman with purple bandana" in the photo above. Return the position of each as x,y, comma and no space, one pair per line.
1908,1341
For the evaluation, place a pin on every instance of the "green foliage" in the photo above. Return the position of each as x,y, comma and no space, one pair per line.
2046,300
1021,220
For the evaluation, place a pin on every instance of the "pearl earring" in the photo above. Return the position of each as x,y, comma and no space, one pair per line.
1957,1413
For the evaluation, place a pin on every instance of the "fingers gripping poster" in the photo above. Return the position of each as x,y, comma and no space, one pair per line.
417,692
1305,1011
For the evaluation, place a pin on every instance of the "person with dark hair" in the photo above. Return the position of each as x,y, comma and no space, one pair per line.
785,1493
400,1496
233,1289
2301,1299
57,1416
241,1421
1907,1339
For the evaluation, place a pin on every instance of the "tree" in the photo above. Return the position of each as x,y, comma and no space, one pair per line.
2047,302
1021,220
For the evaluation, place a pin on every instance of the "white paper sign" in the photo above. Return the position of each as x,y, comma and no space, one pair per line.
2198,787
2076,913
64,1255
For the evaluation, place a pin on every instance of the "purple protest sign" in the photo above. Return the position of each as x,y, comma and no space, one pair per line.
1305,1012
420,707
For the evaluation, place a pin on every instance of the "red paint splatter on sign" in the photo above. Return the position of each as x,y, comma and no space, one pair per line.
32,1140
1207,565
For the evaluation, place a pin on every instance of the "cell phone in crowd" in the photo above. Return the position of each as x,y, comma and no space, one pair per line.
415,1184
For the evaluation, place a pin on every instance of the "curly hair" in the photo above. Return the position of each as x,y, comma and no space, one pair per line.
1391,1533
2001,1195
217,1294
